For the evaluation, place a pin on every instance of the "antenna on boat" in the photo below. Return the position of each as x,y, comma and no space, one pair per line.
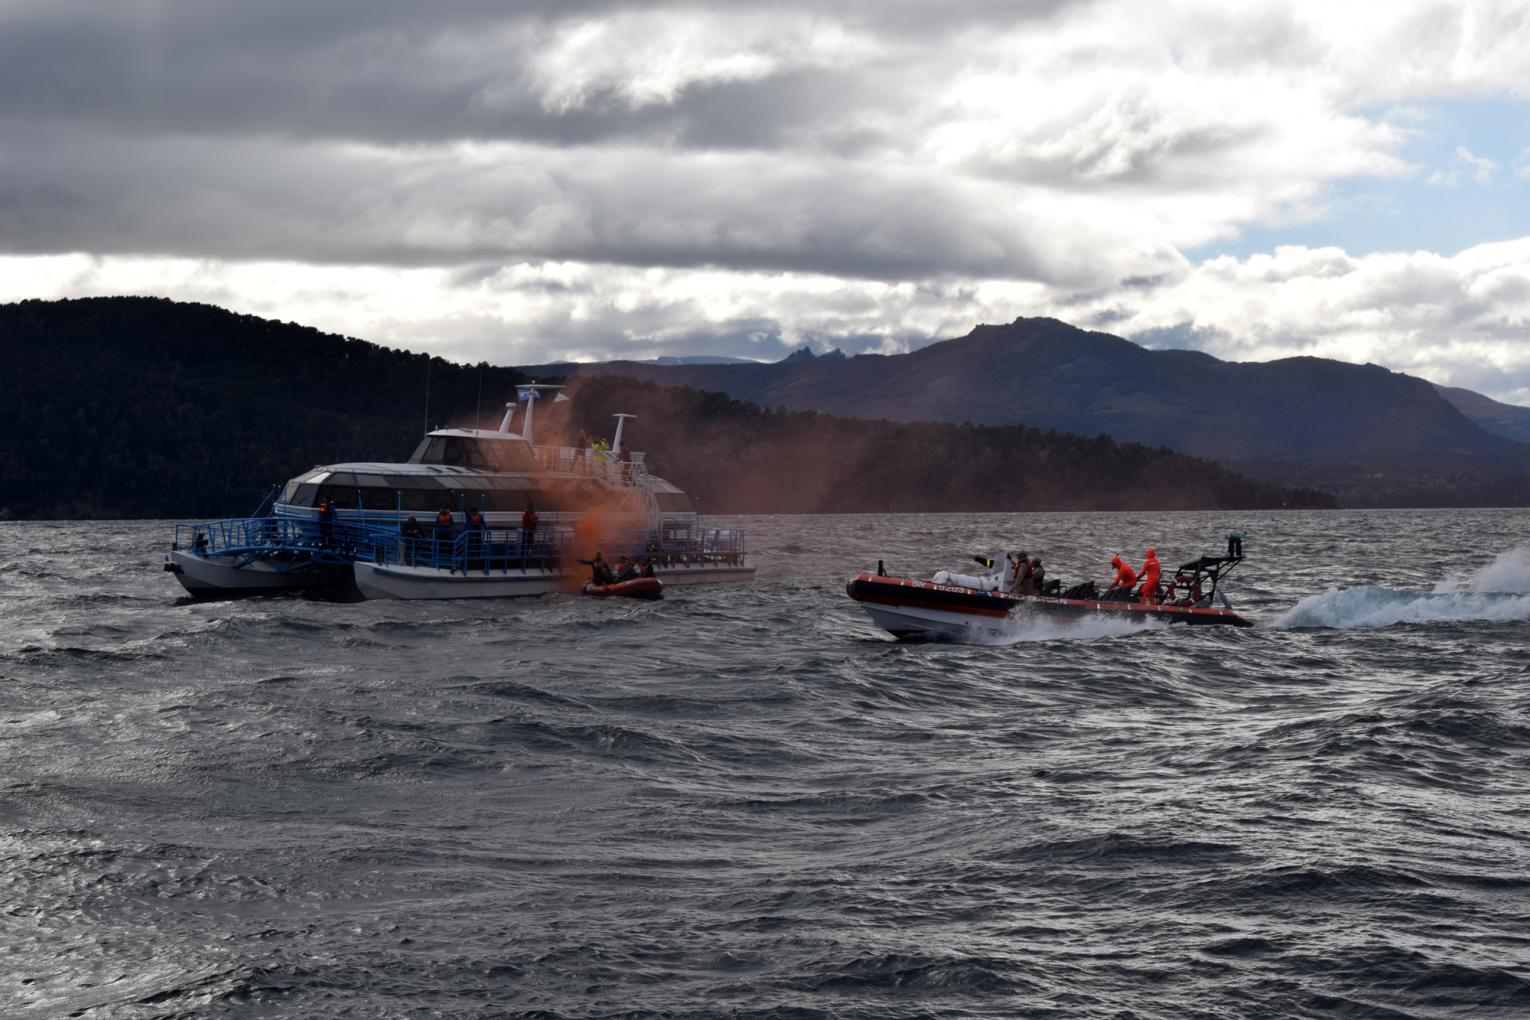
531,393
616,443
428,360
504,426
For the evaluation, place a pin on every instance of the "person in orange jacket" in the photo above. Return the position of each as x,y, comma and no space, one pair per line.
1150,572
1126,577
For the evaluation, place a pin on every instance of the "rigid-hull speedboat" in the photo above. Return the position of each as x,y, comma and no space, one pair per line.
598,496
912,609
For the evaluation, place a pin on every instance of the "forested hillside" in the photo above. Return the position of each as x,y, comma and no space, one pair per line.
140,407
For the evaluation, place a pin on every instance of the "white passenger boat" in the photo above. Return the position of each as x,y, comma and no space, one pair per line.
586,500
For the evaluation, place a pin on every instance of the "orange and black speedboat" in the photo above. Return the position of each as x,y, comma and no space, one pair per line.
956,607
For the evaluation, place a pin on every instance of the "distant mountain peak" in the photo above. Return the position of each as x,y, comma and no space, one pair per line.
805,353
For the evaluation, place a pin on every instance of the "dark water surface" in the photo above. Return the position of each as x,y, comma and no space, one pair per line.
749,802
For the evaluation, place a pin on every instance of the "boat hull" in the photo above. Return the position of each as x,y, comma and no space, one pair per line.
231,575
914,610
637,588
392,581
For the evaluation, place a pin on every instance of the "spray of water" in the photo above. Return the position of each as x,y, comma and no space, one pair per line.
1499,592
1025,627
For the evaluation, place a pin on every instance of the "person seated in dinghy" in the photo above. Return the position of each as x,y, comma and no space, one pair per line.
647,570
625,570
600,570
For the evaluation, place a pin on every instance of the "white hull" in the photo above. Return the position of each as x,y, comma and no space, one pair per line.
223,575
392,581
922,623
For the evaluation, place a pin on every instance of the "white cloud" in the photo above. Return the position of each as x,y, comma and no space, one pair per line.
1478,168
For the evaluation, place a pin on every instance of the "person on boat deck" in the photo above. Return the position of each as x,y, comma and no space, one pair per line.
528,528
600,570
411,531
475,521
326,520
1126,577
1019,567
444,524
625,570
1150,573
647,570
1038,575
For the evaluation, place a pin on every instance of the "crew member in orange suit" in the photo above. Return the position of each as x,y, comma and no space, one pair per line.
1126,577
1150,572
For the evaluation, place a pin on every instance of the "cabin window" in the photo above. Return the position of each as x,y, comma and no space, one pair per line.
305,495
377,498
344,498
432,450
424,499
466,453
672,502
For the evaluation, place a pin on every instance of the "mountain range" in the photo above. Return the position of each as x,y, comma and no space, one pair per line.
143,407
1372,436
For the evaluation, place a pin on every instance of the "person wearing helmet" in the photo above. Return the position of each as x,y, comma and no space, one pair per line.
1125,580
1150,572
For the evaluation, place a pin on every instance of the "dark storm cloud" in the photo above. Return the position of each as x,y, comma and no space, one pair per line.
66,191
400,72
398,133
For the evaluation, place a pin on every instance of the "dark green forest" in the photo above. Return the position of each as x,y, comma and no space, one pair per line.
144,407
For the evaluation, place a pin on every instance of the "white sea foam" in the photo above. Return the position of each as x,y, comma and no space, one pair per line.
1508,574
1499,592
1022,627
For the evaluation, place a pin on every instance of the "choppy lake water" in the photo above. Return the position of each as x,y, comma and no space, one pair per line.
750,802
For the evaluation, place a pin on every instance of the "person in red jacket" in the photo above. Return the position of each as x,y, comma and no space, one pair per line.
1150,572
1125,580
528,529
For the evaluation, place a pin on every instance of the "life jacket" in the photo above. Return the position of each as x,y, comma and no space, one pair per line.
443,518
529,520
475,519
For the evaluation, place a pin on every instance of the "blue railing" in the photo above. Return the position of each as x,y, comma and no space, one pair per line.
303,541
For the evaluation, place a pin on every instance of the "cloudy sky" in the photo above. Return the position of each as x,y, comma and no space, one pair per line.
575,178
